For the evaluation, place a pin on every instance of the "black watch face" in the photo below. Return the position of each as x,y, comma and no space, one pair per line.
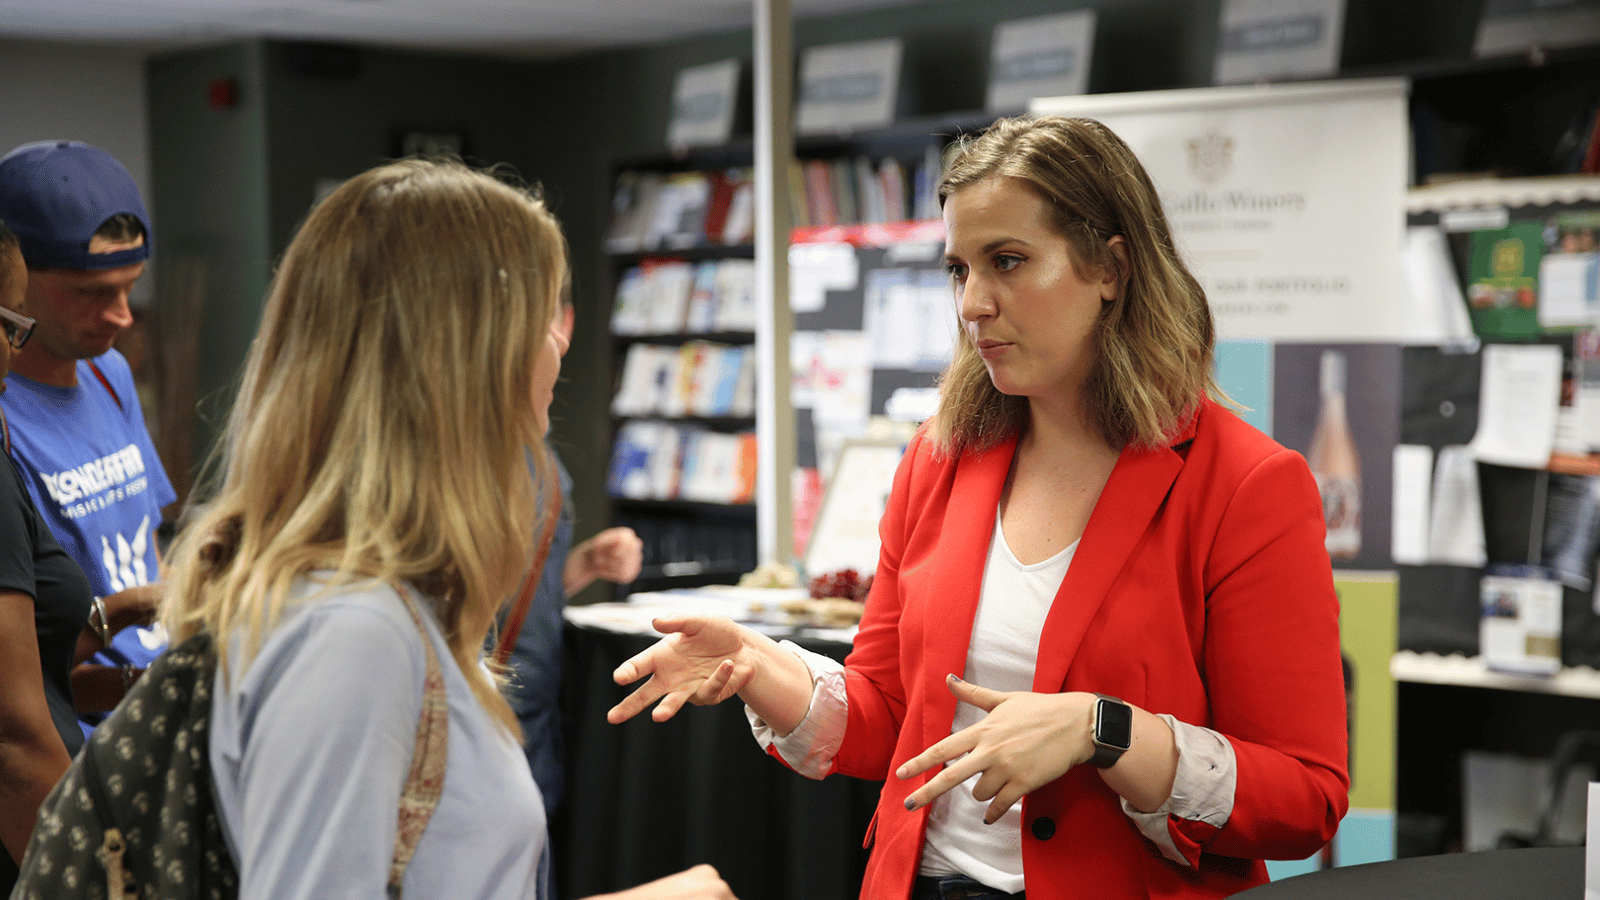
1114,724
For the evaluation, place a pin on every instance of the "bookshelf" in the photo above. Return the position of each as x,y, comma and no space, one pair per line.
679,268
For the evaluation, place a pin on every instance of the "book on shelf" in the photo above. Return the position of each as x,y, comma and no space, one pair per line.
736,295
696,378
653,297
738,226
702,312
655,460
649,371
679,210
633,203
798,208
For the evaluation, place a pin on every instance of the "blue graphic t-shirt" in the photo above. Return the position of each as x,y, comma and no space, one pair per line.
95,477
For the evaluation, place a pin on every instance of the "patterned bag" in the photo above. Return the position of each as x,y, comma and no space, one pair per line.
134,817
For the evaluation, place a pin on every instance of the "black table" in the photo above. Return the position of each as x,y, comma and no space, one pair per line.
1538,873
645,800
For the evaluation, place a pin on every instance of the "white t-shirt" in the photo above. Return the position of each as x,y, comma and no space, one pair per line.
311,745
1002,656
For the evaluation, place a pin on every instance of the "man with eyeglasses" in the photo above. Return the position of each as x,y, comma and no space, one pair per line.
77,429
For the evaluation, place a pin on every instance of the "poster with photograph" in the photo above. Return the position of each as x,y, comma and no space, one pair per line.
1339,406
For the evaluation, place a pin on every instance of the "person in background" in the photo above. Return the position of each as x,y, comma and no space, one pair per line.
78,429
45,611
375,493
536,661
1101,649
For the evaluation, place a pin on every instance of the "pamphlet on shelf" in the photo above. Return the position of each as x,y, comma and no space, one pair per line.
702,312
1043,56
668,285
739,226
736,295
1520,628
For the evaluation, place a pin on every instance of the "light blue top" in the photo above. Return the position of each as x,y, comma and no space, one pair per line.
310,748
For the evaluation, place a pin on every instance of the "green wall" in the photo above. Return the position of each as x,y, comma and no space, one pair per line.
209,172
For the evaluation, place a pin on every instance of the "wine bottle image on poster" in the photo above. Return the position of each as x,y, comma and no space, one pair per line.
1334,462
1339,406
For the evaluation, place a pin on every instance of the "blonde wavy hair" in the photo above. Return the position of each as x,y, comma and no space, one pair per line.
1153,343
385,422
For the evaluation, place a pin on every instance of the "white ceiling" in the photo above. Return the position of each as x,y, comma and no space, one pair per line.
522,27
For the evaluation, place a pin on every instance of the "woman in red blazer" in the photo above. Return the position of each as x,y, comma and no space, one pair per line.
1103,612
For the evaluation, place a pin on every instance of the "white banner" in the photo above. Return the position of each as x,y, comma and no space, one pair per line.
1287,201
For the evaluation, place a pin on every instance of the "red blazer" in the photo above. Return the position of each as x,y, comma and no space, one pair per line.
1201,588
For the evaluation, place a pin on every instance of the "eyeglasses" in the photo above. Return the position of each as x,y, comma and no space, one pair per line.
18,327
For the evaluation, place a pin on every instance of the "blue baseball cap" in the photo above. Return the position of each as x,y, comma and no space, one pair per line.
56,194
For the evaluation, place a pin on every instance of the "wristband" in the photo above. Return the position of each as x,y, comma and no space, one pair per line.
100,624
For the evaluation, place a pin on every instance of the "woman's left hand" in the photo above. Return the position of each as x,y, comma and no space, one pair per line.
1027,740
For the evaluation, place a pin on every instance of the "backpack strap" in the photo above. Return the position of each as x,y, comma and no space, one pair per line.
105,381
425,781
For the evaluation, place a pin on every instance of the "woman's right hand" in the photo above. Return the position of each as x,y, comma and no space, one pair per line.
699,883
702,660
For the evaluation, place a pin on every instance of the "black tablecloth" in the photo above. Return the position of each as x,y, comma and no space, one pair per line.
1539,873
645,800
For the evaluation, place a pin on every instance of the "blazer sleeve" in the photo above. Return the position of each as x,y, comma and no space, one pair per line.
1273,670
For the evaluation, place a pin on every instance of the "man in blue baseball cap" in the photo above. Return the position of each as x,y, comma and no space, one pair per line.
77,430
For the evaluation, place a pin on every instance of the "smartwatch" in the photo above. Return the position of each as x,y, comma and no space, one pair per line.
1112,730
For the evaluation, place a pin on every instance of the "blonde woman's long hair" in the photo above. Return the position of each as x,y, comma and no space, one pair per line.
385,423
1153,343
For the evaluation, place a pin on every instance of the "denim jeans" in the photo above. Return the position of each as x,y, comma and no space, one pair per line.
957,887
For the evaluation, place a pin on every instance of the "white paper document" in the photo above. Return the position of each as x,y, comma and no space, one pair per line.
1455,519
1517,409
815,269
1436,310
1413,483
1567,289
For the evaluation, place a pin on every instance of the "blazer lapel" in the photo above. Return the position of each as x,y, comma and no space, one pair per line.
963,550
1130,500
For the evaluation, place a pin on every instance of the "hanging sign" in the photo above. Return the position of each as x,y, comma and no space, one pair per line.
1045,56
1265,39
845,87
702,104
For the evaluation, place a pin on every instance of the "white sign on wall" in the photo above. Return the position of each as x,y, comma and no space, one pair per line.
1287,201
703,98
844,87
1264,39
1045,56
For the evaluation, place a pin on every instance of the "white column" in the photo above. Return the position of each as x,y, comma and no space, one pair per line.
774,149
